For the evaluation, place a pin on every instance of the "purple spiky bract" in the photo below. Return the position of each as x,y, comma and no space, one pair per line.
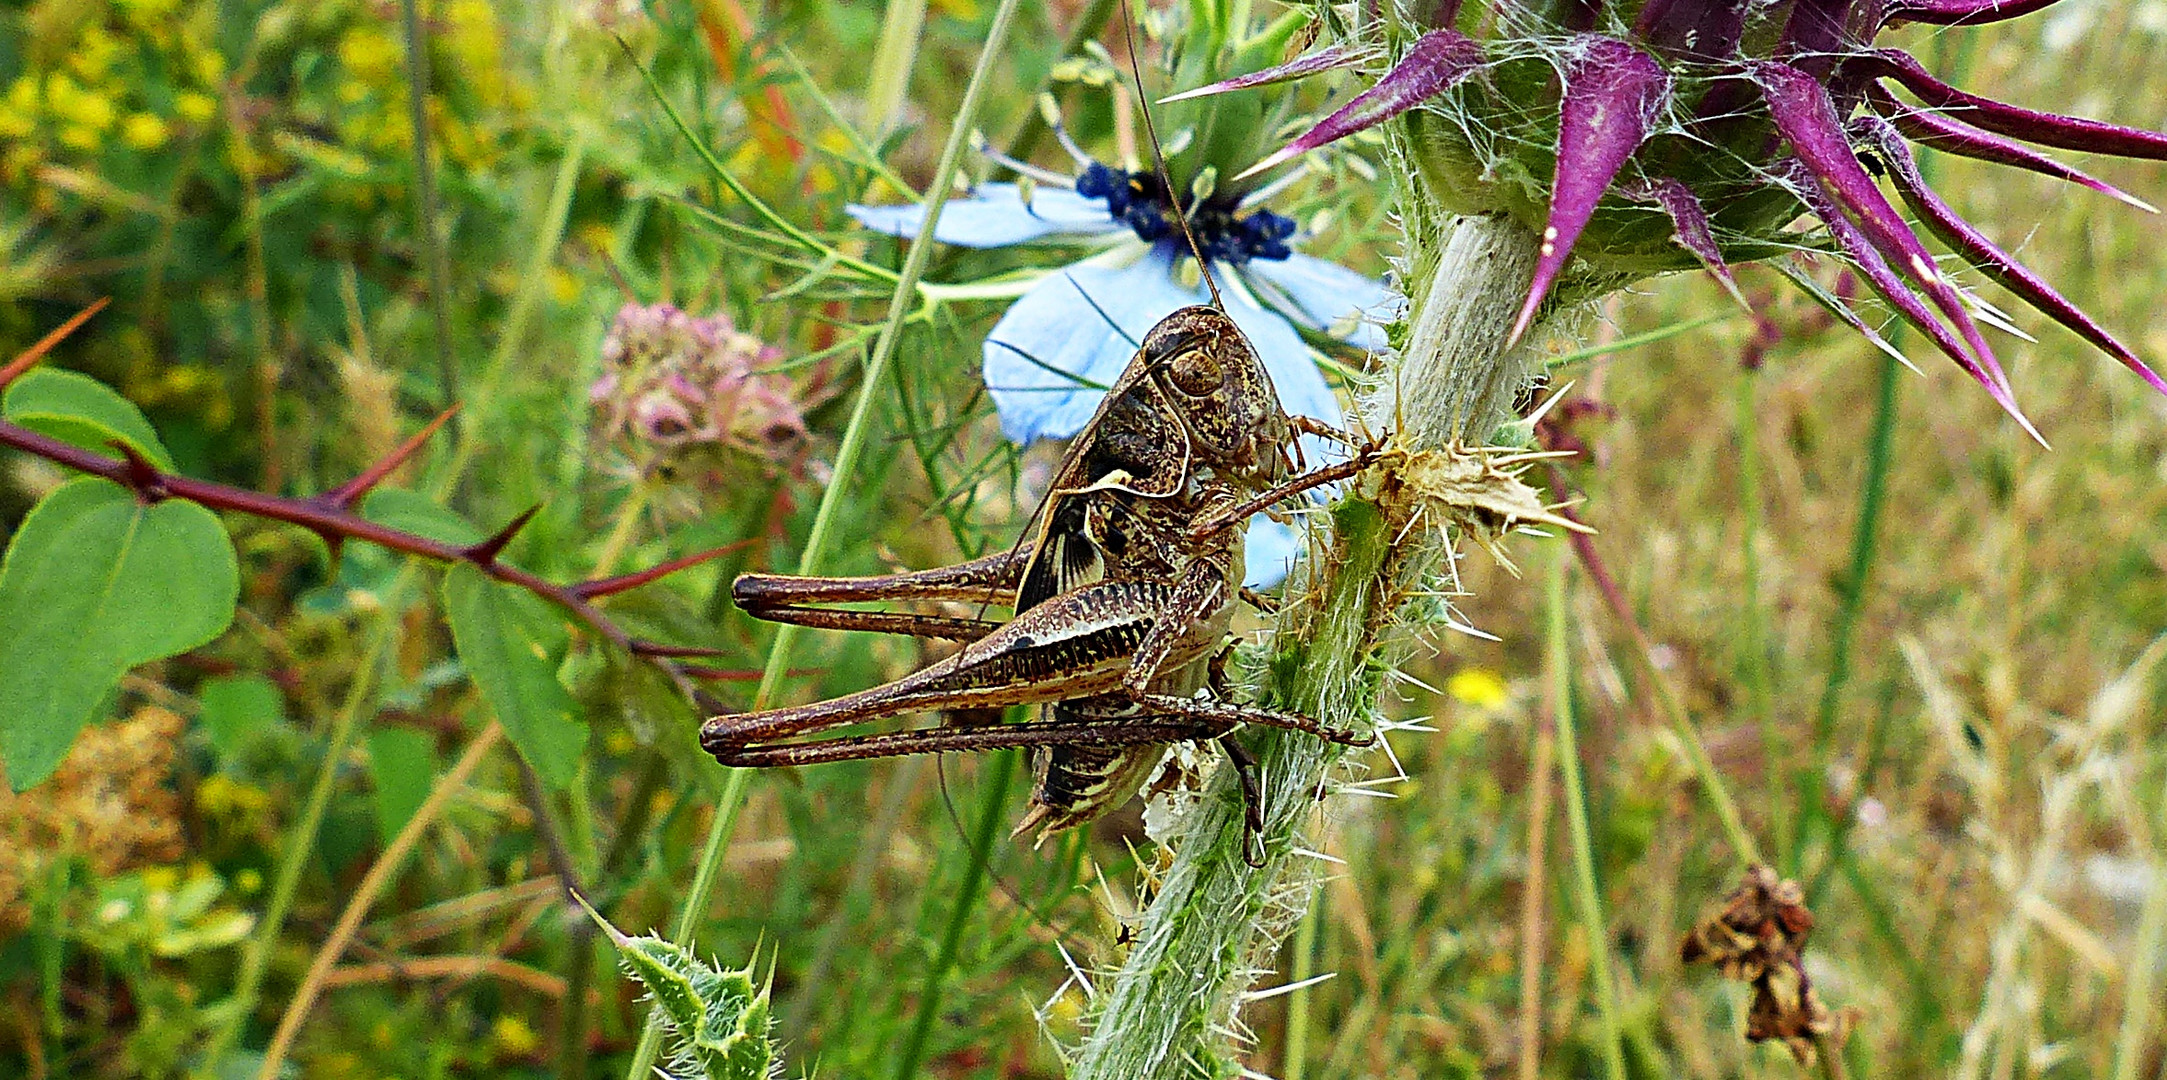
1689,225
1938,131
1316,63
1988,256
1765,108
2017,122
1612,94
1961,12
1806,117
1436,62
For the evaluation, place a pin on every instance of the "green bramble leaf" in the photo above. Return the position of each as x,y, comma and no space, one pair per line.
234,709
81,411
403,762
511,643
719,1015
94,584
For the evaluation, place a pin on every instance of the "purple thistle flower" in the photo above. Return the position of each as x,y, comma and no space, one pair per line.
1675,143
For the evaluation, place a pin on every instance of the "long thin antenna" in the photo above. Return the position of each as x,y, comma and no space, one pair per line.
1158,156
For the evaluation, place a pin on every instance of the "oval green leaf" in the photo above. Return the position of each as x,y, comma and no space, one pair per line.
81,411
512,643
96,583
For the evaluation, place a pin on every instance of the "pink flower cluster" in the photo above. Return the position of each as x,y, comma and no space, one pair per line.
674,383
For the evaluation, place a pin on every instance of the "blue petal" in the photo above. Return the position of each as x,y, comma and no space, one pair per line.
1320,294
1050,358
995,216
1270,550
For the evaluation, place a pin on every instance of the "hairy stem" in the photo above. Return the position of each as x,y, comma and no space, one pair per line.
1208,932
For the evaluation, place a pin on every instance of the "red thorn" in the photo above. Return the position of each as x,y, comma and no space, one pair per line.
29,357
486,552
709,703
719,674
610,586
641,647
347,494
148,483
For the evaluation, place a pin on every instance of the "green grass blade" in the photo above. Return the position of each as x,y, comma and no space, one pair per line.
846,459
1576,817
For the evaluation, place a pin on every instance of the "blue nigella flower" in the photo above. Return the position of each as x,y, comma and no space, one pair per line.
1051,357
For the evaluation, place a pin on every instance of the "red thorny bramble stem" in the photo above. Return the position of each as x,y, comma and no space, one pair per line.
332,516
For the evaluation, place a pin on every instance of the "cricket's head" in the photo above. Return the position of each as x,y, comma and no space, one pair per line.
1206,367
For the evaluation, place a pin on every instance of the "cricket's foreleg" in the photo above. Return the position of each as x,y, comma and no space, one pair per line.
1310,425
942,740
1224,712
1316,478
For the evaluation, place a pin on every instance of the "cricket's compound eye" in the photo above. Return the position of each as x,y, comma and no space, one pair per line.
1194,373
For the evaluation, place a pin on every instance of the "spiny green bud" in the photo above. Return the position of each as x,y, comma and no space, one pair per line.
719,1015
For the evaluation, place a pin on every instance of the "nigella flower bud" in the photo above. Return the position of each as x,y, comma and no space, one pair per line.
1641,136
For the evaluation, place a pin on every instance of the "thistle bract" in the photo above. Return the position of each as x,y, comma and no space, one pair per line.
1641,137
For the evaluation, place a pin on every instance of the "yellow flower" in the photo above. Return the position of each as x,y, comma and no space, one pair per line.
563,287
206,63
195,107
94,53
513,1036
370,55
144,131
17,161
472,41
78,137
1479,687
86,108
220,796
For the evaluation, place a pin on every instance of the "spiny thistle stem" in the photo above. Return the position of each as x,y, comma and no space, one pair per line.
1214,920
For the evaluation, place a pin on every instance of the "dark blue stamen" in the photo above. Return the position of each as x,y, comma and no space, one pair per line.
1141,201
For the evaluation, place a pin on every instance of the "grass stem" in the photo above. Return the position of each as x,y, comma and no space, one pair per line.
300,846
992,807
1535,895
1557,659
831,500
1294,1060
1851,596
1754,661
889,81
433,241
